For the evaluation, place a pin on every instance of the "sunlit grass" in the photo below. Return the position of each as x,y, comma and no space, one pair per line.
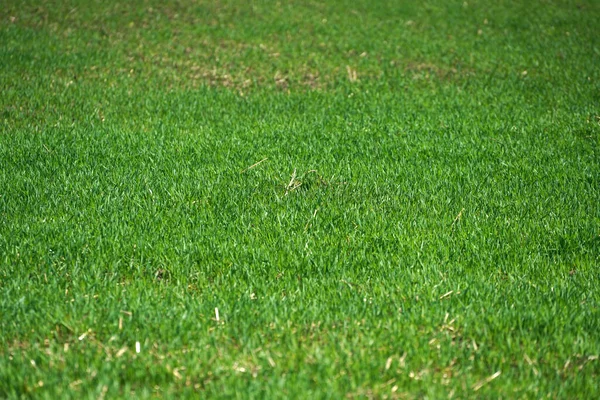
380,199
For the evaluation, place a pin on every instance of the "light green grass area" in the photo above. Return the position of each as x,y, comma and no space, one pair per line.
383,199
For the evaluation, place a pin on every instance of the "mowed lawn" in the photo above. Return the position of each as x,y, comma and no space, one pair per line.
299,199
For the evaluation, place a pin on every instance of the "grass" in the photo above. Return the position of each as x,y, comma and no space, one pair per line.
382,200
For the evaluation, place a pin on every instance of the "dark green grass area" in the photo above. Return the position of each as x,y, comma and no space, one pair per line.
382,199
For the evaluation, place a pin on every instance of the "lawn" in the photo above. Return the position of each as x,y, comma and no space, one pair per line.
299,199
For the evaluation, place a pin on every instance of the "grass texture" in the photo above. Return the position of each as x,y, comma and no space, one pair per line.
299,199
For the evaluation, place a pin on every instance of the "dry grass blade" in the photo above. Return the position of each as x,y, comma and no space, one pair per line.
457,219
254,165
352,75
310,220
294,184
121,352
446,294
481,383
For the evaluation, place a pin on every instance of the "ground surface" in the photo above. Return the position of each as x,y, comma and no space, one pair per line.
383,199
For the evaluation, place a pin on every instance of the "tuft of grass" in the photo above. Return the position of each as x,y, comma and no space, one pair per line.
382,200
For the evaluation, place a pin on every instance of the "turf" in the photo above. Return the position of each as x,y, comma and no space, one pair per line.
382,199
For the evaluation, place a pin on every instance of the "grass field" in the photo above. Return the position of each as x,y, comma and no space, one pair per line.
388,199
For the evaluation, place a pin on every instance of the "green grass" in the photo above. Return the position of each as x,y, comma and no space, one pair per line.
423,219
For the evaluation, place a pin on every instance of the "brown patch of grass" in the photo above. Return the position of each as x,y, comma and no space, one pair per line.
425,70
